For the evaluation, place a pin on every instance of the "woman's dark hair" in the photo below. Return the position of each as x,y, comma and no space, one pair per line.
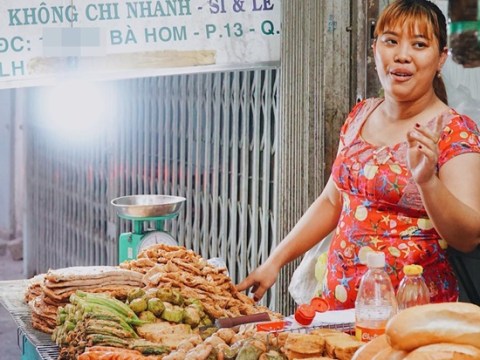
423,13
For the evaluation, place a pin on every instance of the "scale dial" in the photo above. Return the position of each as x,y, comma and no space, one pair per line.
156,237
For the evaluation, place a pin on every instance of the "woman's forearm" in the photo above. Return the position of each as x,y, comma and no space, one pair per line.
317,222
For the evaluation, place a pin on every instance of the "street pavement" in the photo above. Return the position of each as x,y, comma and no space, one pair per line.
9,349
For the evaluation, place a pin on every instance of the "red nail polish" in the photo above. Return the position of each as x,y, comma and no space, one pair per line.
420,147
417,125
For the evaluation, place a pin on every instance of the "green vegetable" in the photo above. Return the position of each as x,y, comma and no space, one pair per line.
230,353
122,326
61,317
110,303
192,316
177,298
156,306
205,333
147,317
205,321
150,293
248,352
106,340
138,305
196,304
69,325
148,347
173,313
135,294
111,331
166,295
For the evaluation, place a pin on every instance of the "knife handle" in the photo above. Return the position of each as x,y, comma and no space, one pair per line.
239,320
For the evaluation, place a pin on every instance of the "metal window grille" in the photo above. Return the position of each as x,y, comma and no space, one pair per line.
208,137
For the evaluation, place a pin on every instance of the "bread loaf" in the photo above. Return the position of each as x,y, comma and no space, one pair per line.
370,349
456,323
378,349
444,351
301,346
390,354
341,346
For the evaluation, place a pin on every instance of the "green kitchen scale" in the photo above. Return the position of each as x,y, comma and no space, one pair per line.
141,209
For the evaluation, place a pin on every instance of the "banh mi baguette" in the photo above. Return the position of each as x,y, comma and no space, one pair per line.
390,354
378,349
444,351
370,349
454,322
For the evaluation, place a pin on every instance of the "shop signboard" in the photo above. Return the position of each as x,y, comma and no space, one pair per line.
43,41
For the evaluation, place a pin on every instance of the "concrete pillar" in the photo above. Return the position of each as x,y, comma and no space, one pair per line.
315,98
7,214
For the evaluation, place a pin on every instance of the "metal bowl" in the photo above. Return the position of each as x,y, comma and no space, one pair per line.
147,206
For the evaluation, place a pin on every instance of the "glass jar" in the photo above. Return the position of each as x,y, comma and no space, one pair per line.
412,290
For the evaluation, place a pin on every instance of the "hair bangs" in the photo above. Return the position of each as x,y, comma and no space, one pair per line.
417,20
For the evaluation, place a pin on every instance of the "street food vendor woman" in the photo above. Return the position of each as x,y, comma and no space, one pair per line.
406,177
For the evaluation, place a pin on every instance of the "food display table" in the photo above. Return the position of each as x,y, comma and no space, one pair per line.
37,345
34,344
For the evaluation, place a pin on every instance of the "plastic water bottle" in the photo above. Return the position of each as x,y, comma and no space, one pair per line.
412,289
376,302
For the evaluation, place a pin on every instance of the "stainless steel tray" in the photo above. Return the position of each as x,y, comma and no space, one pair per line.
147,206
33,343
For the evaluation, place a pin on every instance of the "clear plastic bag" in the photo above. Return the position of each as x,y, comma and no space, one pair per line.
307,279
462,101
219,263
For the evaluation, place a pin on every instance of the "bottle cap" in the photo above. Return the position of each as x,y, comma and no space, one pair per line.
413,269
304,314
319,304
376,259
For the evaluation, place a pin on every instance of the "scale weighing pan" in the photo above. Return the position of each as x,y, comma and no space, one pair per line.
137,207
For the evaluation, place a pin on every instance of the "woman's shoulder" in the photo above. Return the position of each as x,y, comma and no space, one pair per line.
361,109
460,135
454,121
356,118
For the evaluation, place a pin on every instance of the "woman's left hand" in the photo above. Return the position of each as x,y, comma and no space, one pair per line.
422,154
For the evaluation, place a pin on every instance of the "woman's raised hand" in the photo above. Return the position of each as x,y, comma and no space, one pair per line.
423,151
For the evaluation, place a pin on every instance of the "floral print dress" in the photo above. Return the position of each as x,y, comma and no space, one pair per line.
382,210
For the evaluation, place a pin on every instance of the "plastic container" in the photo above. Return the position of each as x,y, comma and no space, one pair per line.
376,302
272,326
304,314
319,304
412,290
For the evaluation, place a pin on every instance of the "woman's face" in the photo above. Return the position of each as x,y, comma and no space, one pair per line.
407,61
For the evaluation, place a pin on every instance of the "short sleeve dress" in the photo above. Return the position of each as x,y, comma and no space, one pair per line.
382,210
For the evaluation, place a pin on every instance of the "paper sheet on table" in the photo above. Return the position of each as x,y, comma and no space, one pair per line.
336,317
